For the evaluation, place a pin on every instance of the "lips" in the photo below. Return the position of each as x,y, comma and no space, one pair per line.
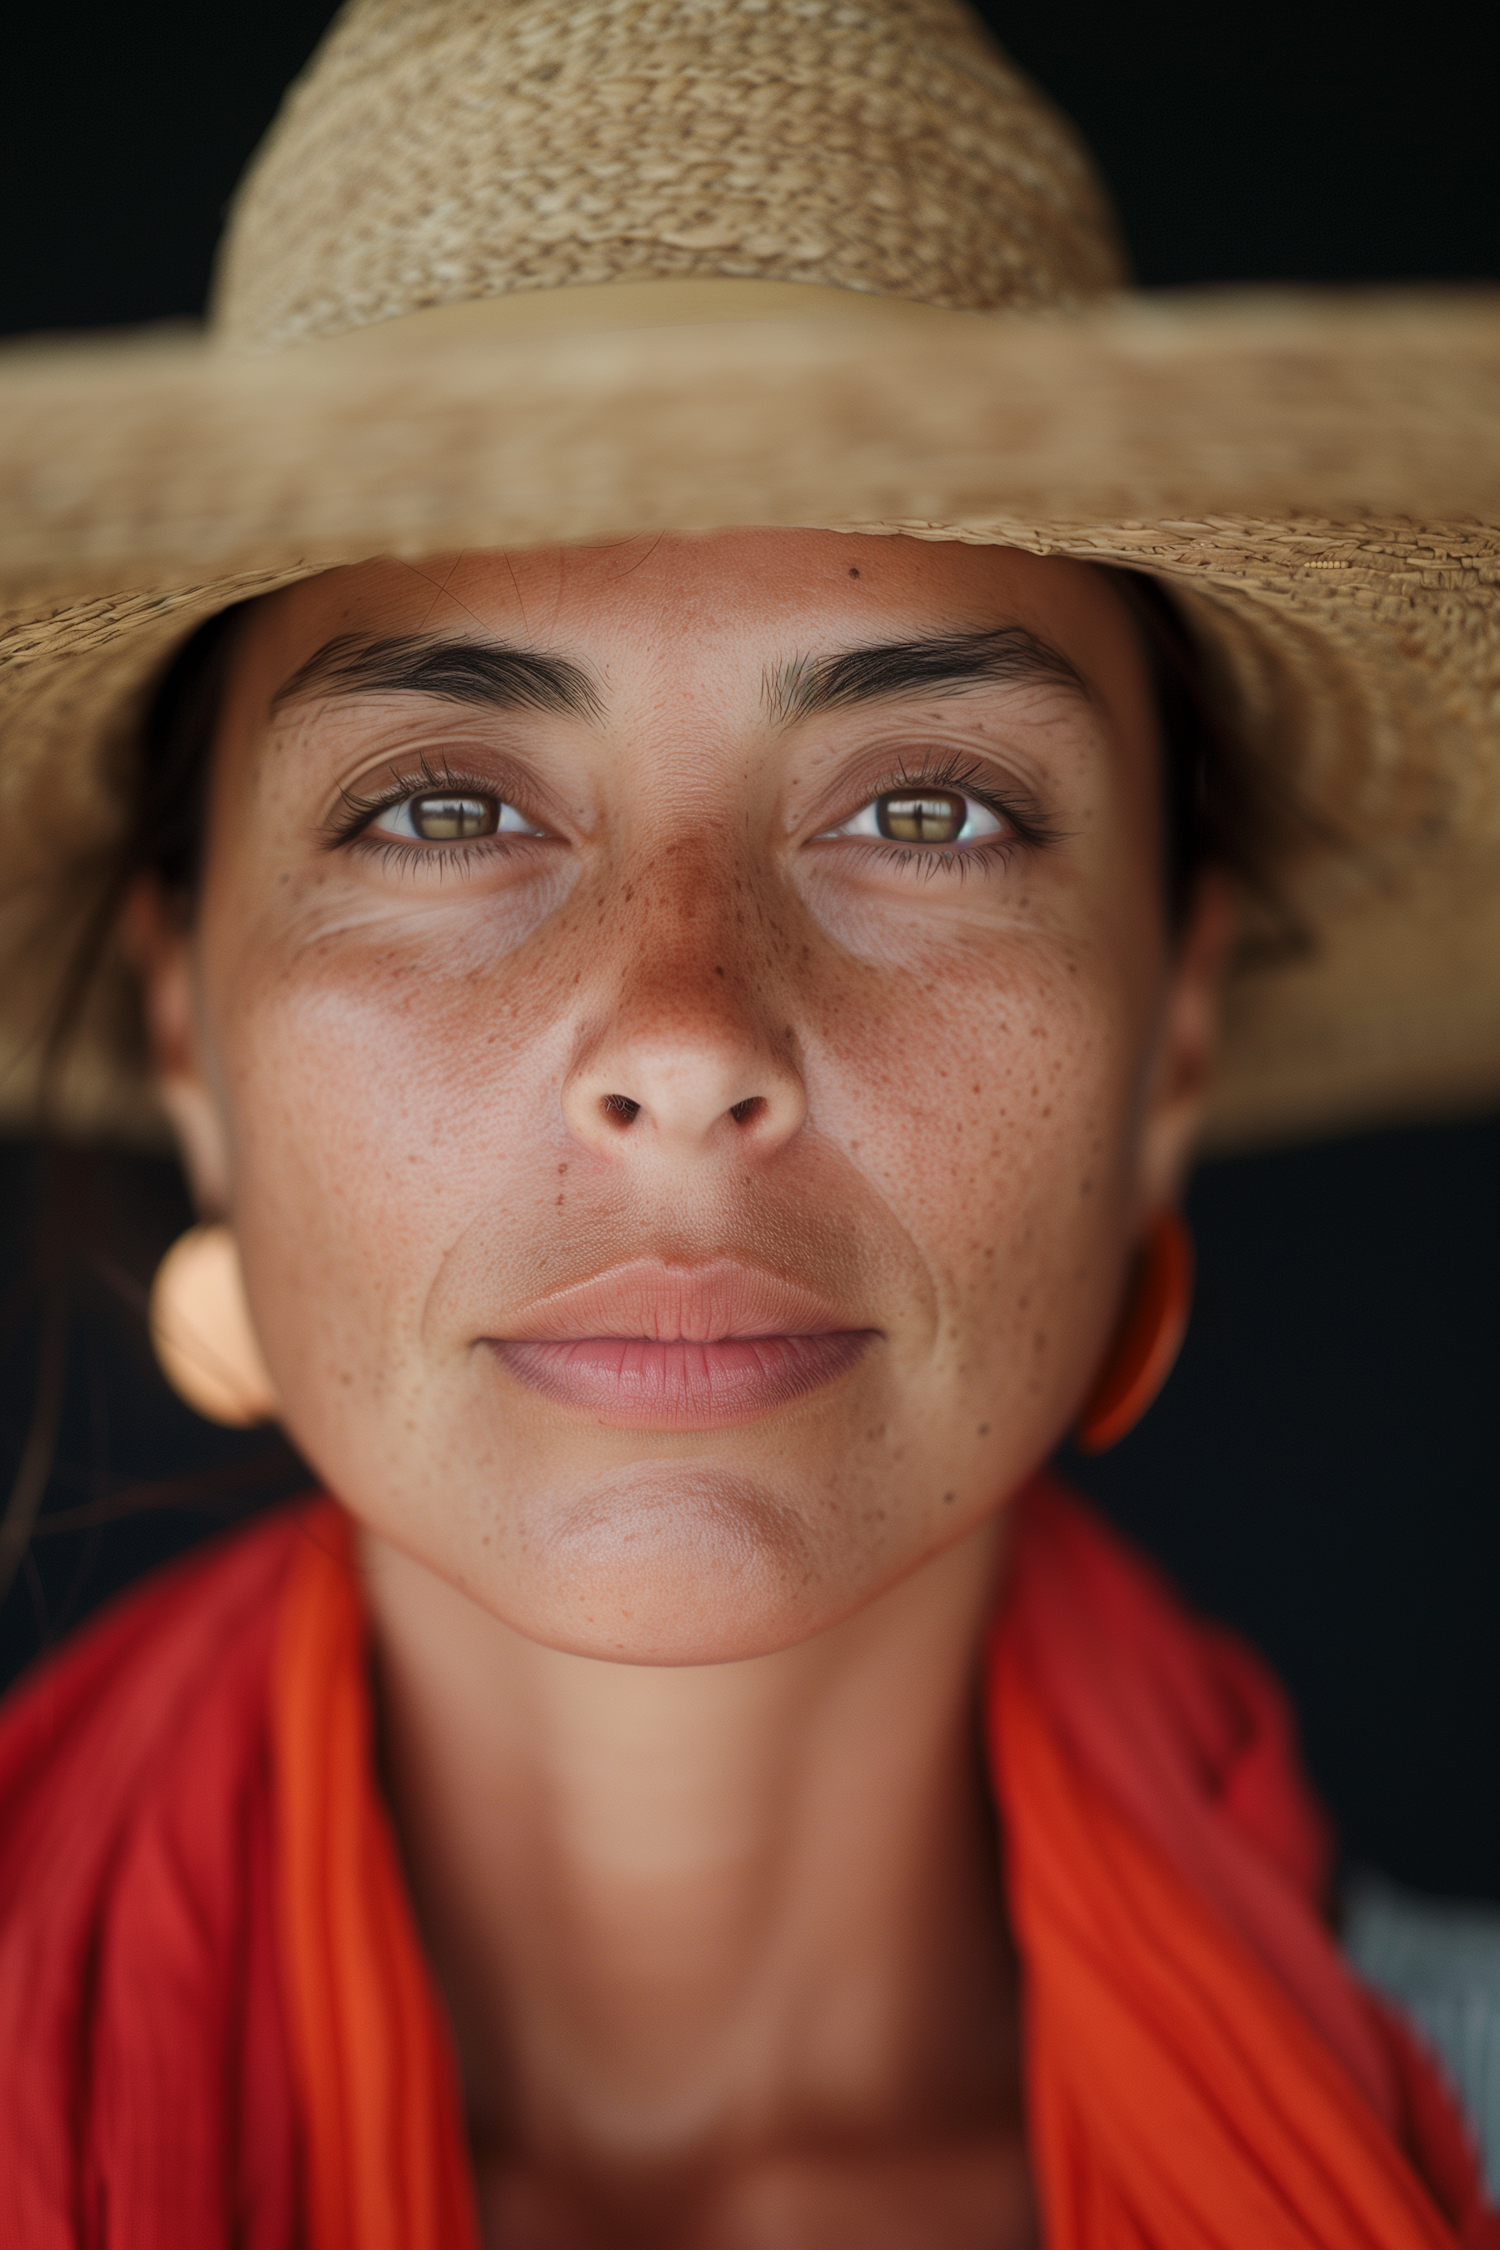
680,1347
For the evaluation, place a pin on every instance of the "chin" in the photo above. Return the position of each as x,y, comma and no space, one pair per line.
670,1564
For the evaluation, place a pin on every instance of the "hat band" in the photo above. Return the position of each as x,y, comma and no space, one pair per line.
598,307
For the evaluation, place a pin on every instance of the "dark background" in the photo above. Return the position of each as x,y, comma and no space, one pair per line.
1321,1470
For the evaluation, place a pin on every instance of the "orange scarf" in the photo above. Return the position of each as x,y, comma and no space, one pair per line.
1200,2066
217,2030
384,2161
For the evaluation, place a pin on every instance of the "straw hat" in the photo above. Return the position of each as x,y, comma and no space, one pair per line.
510,272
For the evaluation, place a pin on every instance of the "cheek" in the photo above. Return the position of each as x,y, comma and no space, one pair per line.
377,1098
992,1102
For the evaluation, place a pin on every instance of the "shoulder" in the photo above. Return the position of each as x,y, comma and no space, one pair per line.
135,1881
78,1732
1440,1963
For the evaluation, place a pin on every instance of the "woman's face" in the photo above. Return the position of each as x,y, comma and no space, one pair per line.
687,1039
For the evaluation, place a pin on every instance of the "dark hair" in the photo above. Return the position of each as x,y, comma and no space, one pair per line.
1211,814
167,832
1214,808
74,1251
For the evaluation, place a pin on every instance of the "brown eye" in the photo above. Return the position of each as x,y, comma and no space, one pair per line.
946,821
451,816
452,819
921,816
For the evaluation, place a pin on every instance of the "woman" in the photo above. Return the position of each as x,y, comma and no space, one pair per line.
680,884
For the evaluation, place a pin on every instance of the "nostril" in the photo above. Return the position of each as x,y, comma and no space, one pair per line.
619,1109
747,1111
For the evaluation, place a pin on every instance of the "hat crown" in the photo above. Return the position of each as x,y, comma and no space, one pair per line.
437,151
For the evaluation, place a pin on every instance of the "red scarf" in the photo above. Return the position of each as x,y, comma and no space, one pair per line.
216,2027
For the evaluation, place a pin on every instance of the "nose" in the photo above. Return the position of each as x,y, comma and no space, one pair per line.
700,1079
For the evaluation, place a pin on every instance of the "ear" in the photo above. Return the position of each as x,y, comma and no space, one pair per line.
157,936
1187,1041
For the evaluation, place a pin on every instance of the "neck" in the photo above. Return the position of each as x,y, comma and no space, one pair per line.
689,1915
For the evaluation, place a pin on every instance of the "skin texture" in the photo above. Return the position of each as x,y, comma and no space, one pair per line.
678,1720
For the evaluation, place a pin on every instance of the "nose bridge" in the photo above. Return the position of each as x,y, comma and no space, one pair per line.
703,943
686,1047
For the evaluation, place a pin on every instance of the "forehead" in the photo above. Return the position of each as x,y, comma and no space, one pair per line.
681,604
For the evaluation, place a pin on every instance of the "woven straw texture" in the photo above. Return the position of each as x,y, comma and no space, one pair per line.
448,152
519,272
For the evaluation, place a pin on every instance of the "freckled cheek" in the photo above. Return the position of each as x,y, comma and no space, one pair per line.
377,1105
991,1105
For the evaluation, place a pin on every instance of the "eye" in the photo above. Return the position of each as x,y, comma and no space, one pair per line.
451,816
928,817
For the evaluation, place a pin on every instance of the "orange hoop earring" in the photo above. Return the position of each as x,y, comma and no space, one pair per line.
201,1332
1148,1339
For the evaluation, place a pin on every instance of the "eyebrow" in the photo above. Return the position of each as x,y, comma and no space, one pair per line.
939,664
491,674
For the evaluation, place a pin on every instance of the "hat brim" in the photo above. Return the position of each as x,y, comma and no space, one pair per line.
1318,475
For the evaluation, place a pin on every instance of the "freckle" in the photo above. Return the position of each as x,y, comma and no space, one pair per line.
984,1429
949,1498
718,972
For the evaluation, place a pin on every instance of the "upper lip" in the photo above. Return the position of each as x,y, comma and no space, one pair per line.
701,1304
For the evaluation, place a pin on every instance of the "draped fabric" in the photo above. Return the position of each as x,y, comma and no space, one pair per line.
217,2029
1201,2068
145,2101
385,2164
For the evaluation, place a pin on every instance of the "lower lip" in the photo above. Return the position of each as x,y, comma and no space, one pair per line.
636,1383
